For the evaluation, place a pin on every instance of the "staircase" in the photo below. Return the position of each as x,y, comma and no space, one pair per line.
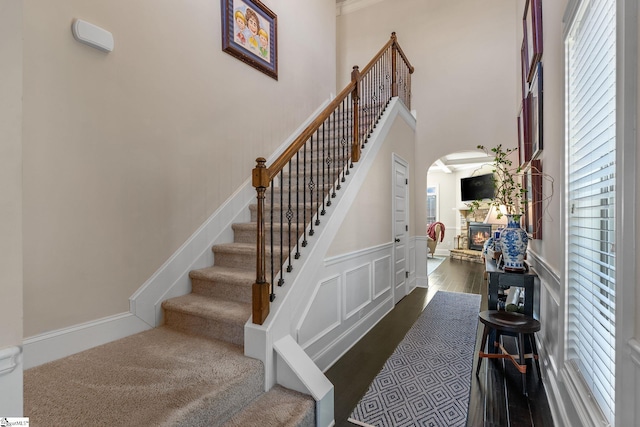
189,372
192,370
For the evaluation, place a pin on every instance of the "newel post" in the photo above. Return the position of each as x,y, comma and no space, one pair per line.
355,97
394,66
260,289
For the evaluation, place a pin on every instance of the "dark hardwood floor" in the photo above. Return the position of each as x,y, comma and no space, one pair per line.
496,397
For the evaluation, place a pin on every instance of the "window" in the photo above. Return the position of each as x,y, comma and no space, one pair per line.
432,204
590,58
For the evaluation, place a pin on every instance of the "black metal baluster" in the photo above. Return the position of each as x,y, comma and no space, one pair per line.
298,203
343,141
363,115
336,162
273,198
289,216
350,129
327,161
374,95
311,188
281,280
319,173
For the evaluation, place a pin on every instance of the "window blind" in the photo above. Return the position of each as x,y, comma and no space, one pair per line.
590,58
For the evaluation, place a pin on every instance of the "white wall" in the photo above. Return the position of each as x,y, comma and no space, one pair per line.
465,71
126,154
450,200
11,206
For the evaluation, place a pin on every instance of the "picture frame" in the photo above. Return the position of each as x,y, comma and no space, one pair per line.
532,182
250,34
524,68
535,106
532,29
521,137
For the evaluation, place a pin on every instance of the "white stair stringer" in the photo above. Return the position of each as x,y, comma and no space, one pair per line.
286,309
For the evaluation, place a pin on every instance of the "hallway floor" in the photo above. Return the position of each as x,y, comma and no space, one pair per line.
496,398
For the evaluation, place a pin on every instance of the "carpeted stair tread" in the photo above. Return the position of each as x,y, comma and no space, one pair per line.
211,308
279,407
223,282
159,377
239,276
246,232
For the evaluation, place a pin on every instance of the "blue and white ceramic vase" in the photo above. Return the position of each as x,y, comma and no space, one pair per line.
513,241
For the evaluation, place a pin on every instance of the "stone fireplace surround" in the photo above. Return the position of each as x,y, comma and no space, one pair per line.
462,251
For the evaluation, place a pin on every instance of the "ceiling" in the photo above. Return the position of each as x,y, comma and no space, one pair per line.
455,162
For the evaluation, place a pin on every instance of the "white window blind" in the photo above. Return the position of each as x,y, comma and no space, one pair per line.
590,57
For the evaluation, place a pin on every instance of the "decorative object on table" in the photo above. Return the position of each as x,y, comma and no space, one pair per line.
435,230
488,249
249,33
510,199
496,216
513,242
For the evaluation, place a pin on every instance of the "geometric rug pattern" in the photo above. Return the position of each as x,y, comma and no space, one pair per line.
427,379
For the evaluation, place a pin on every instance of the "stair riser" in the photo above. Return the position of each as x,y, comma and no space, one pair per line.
277,211
221,289
208,328
315,165
283,197
245,260
250,235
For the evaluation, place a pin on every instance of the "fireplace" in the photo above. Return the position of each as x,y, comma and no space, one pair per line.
479,232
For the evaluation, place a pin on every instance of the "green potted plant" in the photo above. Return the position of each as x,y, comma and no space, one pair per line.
509,199
509,194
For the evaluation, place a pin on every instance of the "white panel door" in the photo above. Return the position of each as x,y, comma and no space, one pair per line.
400,227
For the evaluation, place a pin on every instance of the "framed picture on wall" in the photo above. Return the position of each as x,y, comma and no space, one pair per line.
521,137
535,113
524,65
532,29
249,33
532,182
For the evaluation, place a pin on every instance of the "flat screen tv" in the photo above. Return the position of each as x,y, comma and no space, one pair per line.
477,187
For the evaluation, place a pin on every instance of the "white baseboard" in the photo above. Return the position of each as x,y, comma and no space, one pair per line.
57,344
172,278
349,338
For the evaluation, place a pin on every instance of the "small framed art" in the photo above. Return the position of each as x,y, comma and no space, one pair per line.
532,182
535,112
532,28
521,140
249,33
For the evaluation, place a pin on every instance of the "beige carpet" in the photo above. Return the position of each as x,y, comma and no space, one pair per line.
192,371
158,377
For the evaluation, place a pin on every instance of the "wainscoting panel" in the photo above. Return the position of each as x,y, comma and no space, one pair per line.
381,276
411,264
360,284
322,313
357,289
420,261
551,334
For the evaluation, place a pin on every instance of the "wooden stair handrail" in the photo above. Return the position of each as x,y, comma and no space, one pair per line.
262,176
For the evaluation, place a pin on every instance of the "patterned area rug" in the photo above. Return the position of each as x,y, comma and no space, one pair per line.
433,263
427,379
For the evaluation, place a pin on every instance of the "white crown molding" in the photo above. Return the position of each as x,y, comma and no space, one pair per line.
349,6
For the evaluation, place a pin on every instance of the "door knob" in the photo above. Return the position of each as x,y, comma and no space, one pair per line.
397,240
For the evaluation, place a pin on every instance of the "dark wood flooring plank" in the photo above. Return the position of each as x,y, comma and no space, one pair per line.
495,398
